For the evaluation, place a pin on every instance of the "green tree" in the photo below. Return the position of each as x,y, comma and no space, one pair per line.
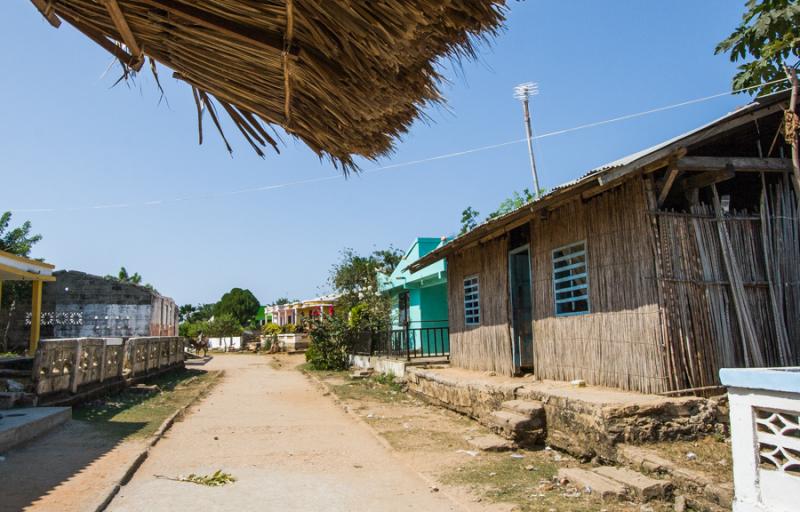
240,304
516,201
355,279
17,241
767,39
469,220
281,301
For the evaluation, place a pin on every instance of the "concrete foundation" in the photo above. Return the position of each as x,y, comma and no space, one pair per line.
396,367
583,421
23,424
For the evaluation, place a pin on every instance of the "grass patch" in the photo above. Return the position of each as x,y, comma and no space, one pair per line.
712,455
138,415
370,389
529,484
414,439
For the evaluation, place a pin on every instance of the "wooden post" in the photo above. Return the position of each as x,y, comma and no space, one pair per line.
36,317
791,122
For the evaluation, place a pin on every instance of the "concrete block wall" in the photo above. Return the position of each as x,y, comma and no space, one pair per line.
78,304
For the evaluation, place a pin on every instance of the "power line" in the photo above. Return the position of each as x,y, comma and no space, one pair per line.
409,163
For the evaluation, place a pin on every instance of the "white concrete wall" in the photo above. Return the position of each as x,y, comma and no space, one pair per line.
99,320
380,364
226,343
765,422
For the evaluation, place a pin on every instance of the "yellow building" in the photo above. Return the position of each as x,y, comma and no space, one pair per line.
17,268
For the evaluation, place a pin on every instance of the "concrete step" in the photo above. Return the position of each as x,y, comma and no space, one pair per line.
643,487
518,427
22,424
589,481
530,408
491,443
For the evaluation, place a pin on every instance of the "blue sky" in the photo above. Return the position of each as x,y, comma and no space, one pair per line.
69,141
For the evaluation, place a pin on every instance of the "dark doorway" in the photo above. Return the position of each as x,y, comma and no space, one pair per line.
519,274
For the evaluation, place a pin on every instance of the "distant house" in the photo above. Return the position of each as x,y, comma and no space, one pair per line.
295,313
85,305
261,316
650,273
419,299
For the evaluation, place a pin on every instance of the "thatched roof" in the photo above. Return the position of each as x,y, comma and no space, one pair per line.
346,77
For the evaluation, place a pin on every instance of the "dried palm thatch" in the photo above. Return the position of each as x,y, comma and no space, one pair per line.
346,77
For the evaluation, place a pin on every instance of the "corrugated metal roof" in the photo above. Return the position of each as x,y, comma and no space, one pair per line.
619,167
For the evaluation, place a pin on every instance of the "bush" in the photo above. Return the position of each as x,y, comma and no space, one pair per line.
270,332
289,329
330,344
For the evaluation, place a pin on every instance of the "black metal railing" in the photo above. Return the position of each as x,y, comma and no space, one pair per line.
406,343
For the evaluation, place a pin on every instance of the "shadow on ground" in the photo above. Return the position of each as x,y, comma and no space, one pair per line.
93,438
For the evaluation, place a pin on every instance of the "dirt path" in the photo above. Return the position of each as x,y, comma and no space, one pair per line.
289,447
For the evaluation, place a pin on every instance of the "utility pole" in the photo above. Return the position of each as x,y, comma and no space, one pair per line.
523,92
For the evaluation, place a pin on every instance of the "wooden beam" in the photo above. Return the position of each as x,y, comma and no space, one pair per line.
46,8
664,192
708,178
747,115
36,318
270,40
739,164
125,32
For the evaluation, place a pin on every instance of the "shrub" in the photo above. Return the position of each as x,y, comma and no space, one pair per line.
289,329
330,344
271,332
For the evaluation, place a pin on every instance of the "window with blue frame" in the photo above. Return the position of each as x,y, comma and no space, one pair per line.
571,280
472,301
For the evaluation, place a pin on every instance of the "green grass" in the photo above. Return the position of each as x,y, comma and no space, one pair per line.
713,455
529,484
138,415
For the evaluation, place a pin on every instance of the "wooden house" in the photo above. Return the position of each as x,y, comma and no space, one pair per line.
650,273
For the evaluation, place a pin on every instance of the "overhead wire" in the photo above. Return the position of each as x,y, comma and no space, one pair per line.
263,188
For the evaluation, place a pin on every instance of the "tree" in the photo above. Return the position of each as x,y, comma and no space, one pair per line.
355,278
240,304
281,301
469,220
767,39
17,241
125,278
512,203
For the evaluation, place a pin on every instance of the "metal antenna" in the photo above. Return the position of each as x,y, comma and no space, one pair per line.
523,92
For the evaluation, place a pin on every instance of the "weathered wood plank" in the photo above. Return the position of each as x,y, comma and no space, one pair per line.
739,164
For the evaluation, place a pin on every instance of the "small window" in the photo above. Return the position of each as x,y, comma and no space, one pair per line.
571,280
472,307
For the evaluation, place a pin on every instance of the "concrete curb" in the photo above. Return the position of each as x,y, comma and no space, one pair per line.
336,400
154,439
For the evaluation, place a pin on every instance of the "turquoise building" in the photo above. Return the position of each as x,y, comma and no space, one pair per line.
419,300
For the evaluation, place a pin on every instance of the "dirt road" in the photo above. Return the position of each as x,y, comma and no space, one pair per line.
288,446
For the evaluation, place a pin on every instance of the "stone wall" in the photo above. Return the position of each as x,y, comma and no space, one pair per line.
587,423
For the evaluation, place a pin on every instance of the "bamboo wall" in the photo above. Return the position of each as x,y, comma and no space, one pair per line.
730,286
488,345
618,343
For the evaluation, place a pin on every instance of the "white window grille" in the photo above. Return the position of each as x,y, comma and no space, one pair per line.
571,280
472,306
